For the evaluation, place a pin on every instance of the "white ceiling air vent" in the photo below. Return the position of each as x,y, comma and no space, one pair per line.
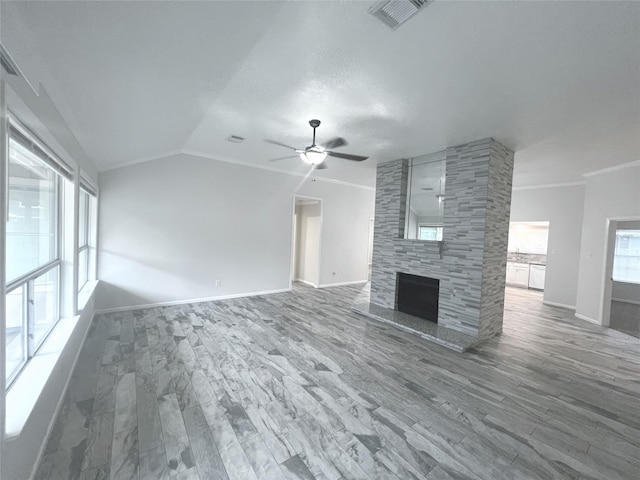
394,13
7,62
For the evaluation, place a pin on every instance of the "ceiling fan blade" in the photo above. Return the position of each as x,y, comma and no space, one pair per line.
334,143
273,142
322,166
283,158
346,156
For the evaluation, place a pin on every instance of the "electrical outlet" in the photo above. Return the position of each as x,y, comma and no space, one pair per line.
218,283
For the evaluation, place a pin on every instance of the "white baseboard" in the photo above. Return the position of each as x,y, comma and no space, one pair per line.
561,305
340,284
306,282
587,319
190,300
626,300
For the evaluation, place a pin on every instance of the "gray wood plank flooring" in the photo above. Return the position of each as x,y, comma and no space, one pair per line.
297,386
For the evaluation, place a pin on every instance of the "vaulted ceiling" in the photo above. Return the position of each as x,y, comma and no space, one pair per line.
559,82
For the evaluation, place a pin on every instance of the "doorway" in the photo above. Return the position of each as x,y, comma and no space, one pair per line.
307,237
622,277
527,255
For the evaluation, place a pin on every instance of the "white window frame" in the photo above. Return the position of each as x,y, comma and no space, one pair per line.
439,231
616,254
27,280
91,215
87,232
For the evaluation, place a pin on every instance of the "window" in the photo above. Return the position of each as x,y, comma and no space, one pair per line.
32,226
86,238
83,238
430,232
626,259
528,237
34,186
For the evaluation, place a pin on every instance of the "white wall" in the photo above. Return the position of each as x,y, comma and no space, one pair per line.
309,223
626,292
562,207
430,220
170,228
346,213
608,195
412,230
629,225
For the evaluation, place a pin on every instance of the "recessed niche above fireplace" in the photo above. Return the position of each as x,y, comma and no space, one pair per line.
418,296
424,210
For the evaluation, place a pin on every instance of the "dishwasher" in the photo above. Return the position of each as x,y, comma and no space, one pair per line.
536,276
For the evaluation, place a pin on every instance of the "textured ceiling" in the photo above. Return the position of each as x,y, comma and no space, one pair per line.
559,82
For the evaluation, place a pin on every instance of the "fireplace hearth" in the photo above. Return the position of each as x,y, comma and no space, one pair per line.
418,296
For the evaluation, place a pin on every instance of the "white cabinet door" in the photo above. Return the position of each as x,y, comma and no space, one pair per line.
510,272
521,275
518,274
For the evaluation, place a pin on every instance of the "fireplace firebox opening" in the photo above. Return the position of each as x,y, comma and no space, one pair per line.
418,296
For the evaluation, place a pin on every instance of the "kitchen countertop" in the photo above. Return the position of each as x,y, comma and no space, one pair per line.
530,258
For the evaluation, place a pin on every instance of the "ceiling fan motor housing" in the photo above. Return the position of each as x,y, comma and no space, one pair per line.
314,154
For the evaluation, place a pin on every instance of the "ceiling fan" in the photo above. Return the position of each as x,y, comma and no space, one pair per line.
316,154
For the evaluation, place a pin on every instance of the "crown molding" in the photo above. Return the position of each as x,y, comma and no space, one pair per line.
635,163
151,158
550,185
277,170
208,156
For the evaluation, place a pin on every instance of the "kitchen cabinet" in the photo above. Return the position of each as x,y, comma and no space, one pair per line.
510,273
518,274
536,276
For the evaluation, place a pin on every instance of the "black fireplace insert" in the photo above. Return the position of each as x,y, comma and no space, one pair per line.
418,296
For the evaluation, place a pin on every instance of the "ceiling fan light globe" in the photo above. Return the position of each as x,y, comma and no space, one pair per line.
313,157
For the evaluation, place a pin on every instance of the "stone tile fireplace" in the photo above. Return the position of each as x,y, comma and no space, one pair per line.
470,262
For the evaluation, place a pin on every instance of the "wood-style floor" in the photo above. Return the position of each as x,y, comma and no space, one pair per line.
296,386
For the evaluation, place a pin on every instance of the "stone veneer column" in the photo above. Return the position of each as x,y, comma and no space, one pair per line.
472,267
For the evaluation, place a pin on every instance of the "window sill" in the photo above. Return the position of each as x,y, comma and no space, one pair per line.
27,389
85,294
628,282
